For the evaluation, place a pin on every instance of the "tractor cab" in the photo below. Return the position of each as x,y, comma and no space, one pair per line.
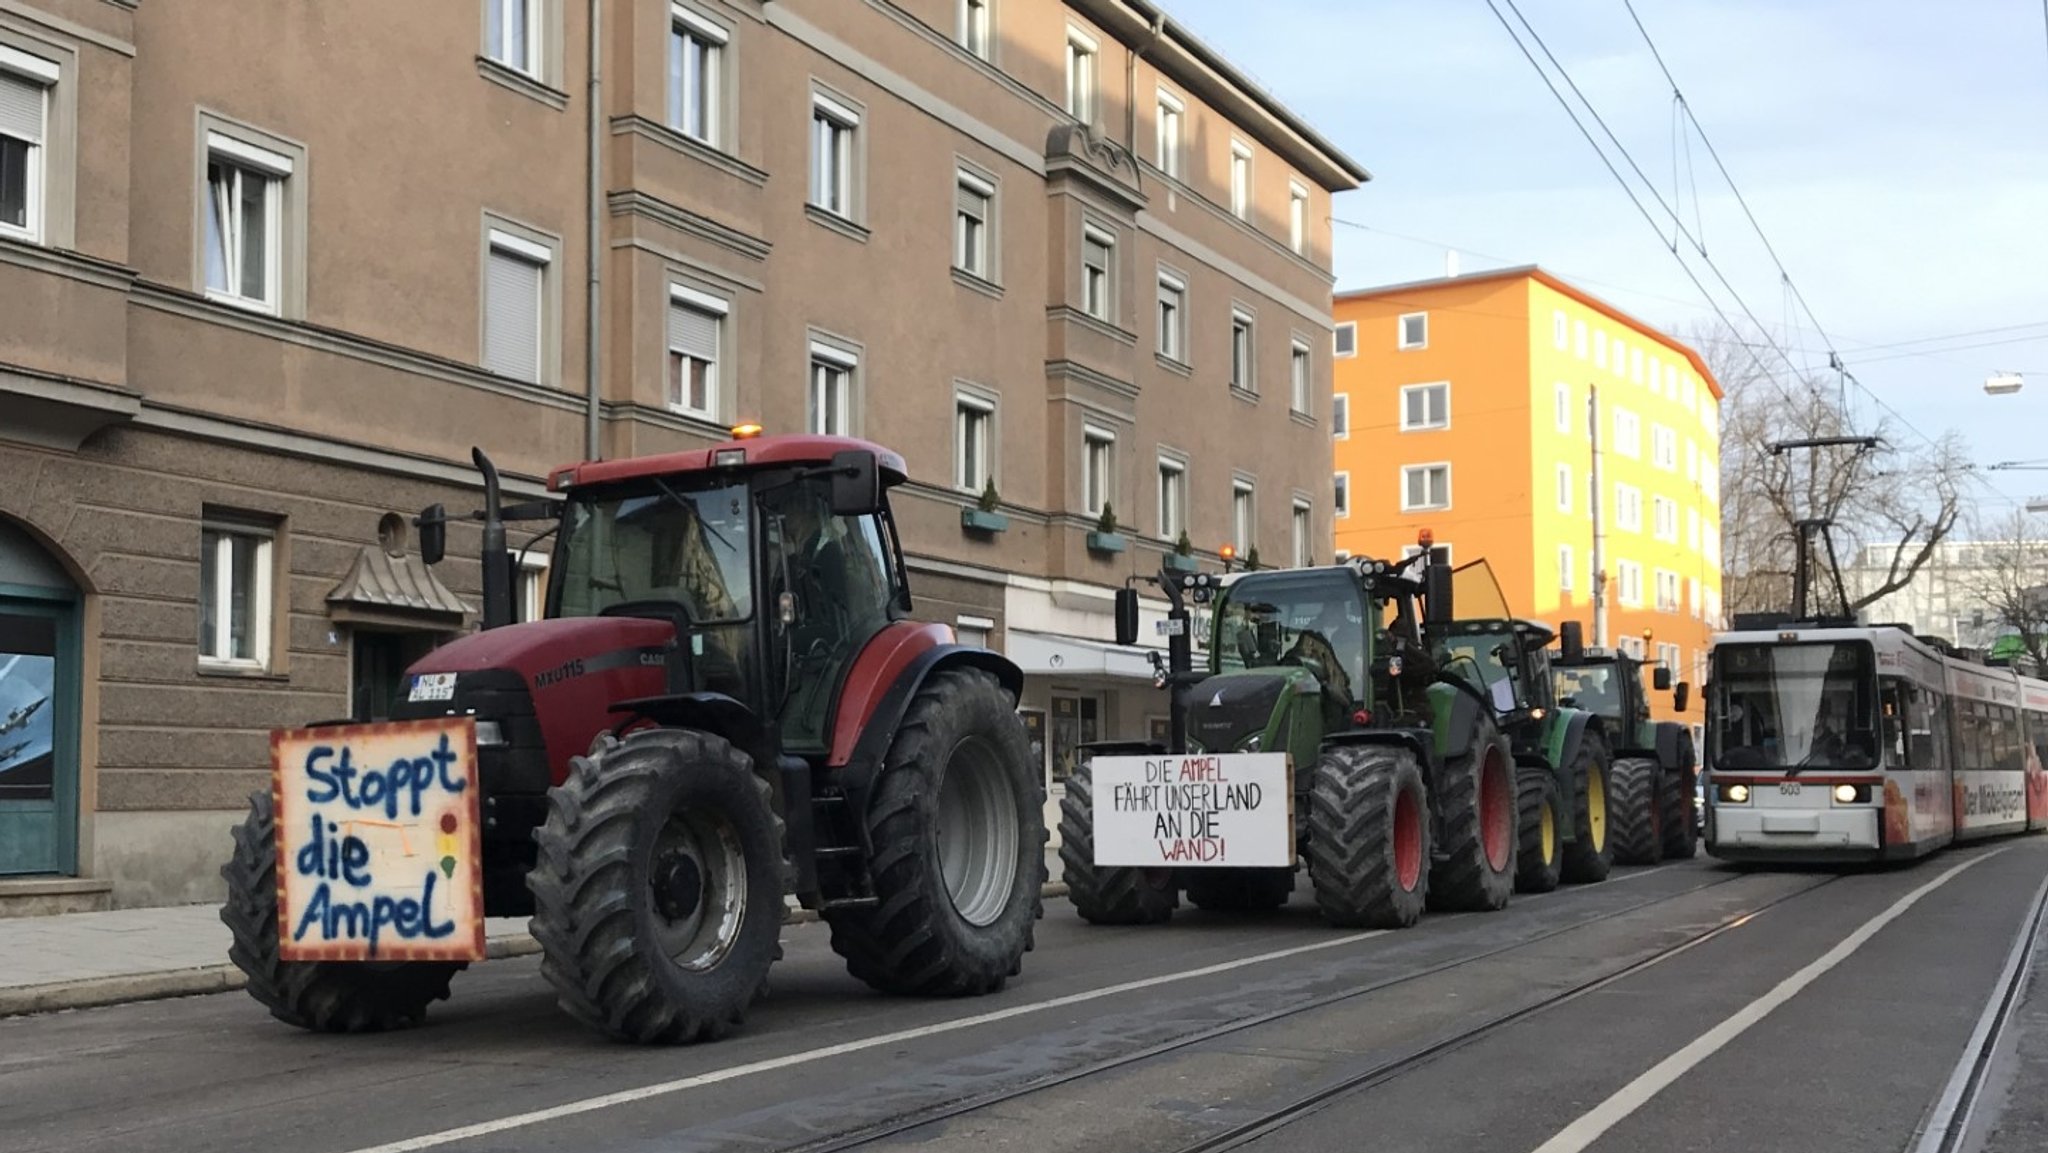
1609,684
1505,660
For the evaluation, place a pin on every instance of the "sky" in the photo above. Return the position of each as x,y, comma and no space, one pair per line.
1894,152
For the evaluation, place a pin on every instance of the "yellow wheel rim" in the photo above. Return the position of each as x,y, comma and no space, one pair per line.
1547,820
1596,806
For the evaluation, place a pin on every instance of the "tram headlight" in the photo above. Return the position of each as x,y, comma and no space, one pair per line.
1852,794
1739,794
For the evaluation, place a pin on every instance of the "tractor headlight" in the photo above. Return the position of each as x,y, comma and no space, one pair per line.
489,733
1257,742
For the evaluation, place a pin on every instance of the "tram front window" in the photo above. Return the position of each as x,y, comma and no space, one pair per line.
1796,706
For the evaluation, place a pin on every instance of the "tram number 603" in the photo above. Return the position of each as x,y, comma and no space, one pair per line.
1788,788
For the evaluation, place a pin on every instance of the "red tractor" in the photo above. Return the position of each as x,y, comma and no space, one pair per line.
725,704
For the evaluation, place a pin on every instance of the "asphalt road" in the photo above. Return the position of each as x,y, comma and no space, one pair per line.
1158,1039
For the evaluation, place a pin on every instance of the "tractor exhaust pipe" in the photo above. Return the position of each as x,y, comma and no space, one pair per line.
496,560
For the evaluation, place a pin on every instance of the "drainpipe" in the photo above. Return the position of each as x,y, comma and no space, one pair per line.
593,327
1131,82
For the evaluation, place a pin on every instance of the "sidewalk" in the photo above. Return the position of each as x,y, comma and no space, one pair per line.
78,960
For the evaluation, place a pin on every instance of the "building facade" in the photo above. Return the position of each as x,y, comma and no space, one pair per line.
1967,593
260,295
1466,406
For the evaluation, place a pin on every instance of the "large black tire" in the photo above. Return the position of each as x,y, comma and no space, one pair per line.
1475,868
1106,895
1635,808
646,841
1539,857
1368,839
1241,890
1589,855
957,820
1681,815
328,996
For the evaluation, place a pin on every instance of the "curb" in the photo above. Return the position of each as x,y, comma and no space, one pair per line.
95,992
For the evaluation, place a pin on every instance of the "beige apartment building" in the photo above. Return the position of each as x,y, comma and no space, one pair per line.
269,270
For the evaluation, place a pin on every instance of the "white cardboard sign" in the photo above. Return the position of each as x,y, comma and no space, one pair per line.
1233,809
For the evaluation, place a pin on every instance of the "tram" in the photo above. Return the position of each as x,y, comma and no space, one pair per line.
1839,742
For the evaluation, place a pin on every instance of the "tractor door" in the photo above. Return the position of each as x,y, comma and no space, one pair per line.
831,587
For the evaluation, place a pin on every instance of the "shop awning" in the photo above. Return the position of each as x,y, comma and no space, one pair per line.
1052,654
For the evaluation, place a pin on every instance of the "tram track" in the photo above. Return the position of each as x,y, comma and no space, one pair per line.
923,1118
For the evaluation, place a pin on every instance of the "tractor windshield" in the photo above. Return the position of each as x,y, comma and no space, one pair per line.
1591,688
665,542
1311,618
1487,661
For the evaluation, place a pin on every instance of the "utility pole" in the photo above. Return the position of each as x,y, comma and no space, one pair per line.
1599,528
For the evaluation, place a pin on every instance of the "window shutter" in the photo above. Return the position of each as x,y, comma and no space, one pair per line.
21,109
693,332
512,317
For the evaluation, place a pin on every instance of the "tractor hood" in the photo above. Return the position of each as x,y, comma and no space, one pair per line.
1226,711
551,651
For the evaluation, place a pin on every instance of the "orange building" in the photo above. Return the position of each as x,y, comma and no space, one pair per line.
1462,406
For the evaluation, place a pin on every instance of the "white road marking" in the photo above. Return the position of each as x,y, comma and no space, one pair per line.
1594,1124
810,1056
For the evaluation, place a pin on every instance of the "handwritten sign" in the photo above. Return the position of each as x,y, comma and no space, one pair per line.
1215,810
378,854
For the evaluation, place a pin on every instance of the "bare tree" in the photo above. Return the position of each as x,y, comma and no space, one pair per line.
2010,579
1899,501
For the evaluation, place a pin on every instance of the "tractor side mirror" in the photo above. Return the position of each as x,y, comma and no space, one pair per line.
1437,610
1126,617
1681,696
1661,679
1571,640
856,484
433,525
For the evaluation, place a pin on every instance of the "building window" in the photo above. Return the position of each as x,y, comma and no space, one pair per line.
1170,117
1173,499
1098,252
514,306
1297,217
1560,331
977,27
974,424
1635,365
832,383
1173,311
1340,416
244,221
1301,377
1240,179
1425,486
234,596
1692,529
694,323
1425,406
1629,576
25,83
1304,534
1692,596
530,597
1619,357
1564,568
1341,502
1599,348
1691,398
1664,514
1628,508
1563,408
1098,469
973,199
1242,350
1564,488
1344,342
1579,339
1667,591
1243,515
833,126
696,50
1664,447
1628,433
512,34
1668,657
1081,58
1415,330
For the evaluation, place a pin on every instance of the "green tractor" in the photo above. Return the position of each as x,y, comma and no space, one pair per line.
1566,784
1655,766
1401,785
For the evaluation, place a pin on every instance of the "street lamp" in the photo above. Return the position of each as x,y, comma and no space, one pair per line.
2004,383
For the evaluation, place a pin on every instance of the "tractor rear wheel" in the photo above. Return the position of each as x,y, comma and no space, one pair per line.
1588,856
957,820
1368,838
1539,859
1476,872
328,996
1681,818
1106,894
657,897
1635,805
1240,890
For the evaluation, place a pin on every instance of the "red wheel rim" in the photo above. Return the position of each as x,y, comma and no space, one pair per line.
1407,840
1496,812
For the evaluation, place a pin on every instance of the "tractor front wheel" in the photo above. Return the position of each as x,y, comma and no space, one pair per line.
1106,894
327,996
1636,807
1588,856
957,821
1240,890
1539,857
1477,870
1368,838
658,891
